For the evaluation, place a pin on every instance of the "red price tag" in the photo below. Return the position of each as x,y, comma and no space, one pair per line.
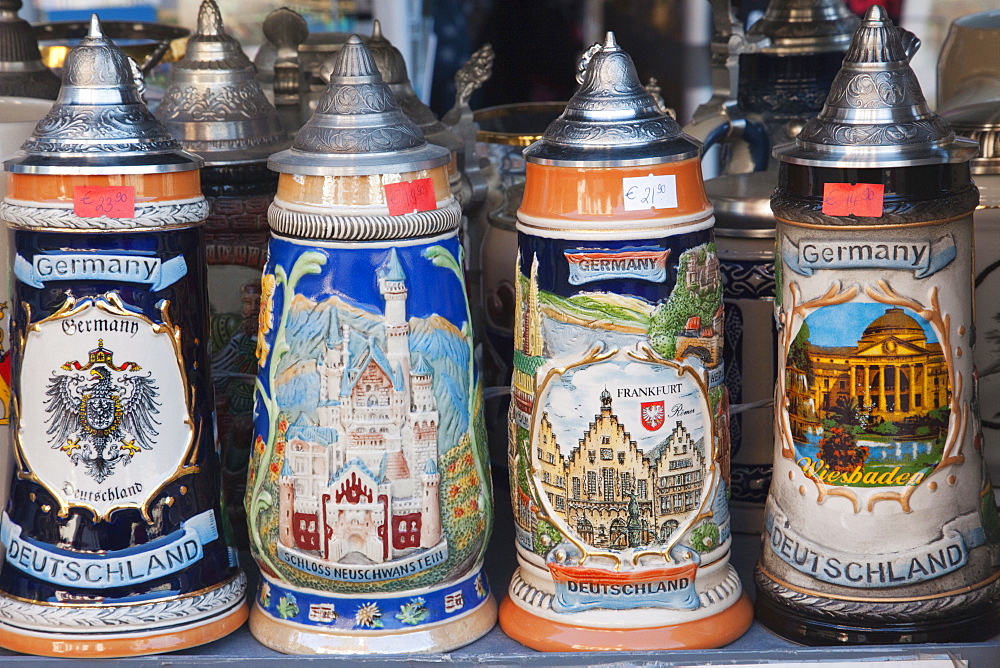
110,201
410,196
845,199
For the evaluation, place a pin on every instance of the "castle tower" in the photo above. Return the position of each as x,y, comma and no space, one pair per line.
392,286
430,511
423,416
286,505
331,371
533,316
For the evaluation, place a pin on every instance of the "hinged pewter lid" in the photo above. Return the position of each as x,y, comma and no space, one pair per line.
99,123
391,65
22,72
358,127
981,123
611,120
214,106
876,114
803,26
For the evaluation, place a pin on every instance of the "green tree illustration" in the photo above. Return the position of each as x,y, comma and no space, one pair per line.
798,353
671,316
705,537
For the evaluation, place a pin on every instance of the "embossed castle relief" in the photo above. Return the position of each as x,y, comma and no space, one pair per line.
373,467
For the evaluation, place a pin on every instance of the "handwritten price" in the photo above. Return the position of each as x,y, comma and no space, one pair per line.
110,201
861,199
410,196
650,192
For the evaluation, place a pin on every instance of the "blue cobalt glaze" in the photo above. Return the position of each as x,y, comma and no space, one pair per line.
160,533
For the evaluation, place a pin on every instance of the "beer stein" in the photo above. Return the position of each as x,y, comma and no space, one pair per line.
215,108
618,426
880,523
114,535
785,72
981,122
792,56
368,496
22,72
744,234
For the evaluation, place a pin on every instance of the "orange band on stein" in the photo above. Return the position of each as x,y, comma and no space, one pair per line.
554,192
56,188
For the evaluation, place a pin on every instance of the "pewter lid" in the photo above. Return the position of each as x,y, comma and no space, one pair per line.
742,204
611,120
99,123
981,123
214,106
876,114
358,127
22,73
392,66
804,26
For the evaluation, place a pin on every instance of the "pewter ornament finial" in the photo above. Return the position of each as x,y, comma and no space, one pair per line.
609,40
581,68
209,18
377,30
473,74
876,13
285,28
95,27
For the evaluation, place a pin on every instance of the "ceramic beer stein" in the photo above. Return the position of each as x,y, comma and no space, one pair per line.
618,426
368,496
880,526
22,73
981,122
215,108
791,58
113,529
744,235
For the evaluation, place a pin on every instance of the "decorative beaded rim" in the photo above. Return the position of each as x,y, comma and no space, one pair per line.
88,618
364,228
152,216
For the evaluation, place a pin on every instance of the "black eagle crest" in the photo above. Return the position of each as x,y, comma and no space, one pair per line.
101,421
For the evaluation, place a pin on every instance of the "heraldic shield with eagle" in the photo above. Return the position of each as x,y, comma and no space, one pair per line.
100,419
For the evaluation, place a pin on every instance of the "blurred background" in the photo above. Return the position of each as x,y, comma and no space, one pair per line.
537,42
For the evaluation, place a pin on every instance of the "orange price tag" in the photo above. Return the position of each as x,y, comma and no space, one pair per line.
845,199
410,196
110,201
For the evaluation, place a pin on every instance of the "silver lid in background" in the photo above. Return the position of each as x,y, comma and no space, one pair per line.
980,123
876,114
742,204
99,123
391,65
22,72
612,120
214,105
803,26
358,127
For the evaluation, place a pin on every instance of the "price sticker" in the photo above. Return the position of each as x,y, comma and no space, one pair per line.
650,192
410,196
845,199
110,201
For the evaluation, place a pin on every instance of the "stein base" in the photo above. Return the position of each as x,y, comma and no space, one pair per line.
549,636
108,646
978,624
292,638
